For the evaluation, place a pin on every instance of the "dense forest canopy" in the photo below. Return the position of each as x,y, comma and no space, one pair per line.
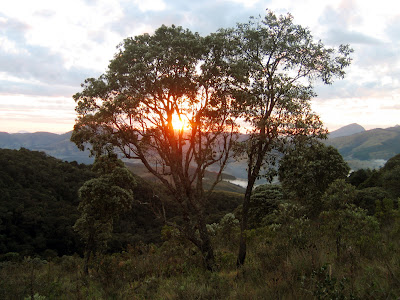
38,202
39,206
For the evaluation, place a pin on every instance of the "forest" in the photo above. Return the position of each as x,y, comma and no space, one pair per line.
185,106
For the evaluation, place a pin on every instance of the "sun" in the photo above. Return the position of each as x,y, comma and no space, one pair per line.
178,123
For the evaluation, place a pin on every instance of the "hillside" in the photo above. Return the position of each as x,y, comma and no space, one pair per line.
60,146
140,170
346,130
361,148
56,145
39,199
369,145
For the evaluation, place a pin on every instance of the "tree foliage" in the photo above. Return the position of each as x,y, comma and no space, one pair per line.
264,201
307,170
338,195
275,64
102,199
152,80
262,72
377,184
38,203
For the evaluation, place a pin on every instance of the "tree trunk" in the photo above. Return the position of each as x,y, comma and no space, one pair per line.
206,248
89,249
86,262
243,225
339,242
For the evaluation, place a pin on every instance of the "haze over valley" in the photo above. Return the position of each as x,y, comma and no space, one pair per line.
360,148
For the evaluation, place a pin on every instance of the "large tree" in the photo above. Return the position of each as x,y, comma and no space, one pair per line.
163,101
274,65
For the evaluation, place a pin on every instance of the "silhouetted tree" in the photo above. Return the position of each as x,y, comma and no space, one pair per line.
152,82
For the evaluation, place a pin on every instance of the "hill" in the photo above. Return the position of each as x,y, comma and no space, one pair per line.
38,202
56,145
361,148
375,144
347,130
225,185
60,146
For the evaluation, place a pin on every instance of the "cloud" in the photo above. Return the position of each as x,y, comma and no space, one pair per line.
392,107
346,14
341,24
45,13
204,17
393,29
337,36
44,68
8,87
39,64
150,5
381,58
357,87
91,2
13,29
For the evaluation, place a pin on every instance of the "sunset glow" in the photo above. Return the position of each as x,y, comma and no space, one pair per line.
178,123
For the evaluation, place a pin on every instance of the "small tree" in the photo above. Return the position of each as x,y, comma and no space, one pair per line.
349,224
306,171
264,201
102,199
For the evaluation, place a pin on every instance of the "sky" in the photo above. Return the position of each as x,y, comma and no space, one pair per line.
48,48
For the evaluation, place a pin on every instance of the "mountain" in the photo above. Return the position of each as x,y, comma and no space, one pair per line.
346,130
361,148
375,144
56,145
60,146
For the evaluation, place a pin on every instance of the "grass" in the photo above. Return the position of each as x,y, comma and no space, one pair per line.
174,272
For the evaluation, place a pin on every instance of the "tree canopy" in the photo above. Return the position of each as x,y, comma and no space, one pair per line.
275,64
307,170
102,199
152,80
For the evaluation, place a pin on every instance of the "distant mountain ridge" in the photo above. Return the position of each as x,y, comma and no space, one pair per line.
346,130
368,145
60,146
56,145
352,141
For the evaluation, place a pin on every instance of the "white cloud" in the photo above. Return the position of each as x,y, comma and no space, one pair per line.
245,3
8,45
369,113
47,47
150,5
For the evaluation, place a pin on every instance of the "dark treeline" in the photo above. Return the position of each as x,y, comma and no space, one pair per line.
38,201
